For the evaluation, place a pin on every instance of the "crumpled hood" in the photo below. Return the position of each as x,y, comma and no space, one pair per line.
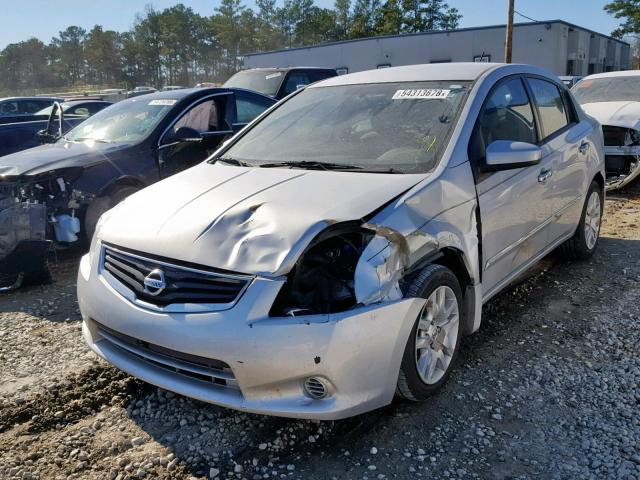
249,220
34,161
618,114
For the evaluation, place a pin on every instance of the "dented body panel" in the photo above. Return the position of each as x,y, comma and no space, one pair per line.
327,258
256,220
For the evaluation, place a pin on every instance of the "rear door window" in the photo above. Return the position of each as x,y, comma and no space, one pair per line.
30,106
551,108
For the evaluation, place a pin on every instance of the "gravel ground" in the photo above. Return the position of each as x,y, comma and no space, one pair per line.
548,388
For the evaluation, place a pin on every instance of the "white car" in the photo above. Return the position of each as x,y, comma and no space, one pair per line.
334,252
613,98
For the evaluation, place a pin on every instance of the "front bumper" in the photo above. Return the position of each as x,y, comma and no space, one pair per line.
358,352
613,156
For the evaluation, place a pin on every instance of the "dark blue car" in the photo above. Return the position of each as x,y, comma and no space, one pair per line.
55,193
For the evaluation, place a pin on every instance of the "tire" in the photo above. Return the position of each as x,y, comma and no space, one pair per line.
412,384
585,240
101,205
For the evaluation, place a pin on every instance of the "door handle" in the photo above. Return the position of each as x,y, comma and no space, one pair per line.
583,148
545,174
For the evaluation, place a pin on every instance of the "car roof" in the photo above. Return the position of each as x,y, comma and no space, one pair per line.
622,73
185,93
413,73
30,98
284,69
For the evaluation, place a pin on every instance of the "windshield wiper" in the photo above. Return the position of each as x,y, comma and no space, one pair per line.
234,161
385,170
311,165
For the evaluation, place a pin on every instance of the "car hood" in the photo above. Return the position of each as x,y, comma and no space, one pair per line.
44,158
248,220
619,114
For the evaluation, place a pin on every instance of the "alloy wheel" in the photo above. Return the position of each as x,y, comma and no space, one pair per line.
437,334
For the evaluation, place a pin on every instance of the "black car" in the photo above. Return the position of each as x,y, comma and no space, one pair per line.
55,193
278,82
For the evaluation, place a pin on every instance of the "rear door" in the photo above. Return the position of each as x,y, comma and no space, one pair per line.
565,142
513,206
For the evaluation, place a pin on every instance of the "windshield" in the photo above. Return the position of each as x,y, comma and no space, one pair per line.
388,127
263,81
608,89
126,121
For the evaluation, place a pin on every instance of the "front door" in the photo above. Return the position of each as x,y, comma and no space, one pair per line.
209,117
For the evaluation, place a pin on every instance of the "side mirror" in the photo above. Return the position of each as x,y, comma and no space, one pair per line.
507,155
183,135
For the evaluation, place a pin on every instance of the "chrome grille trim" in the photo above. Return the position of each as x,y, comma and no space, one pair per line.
218,377
195,290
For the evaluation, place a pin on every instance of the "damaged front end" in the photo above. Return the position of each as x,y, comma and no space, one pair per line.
622,155
345,266
35,211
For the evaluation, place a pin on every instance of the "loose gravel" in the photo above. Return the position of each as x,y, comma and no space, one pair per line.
548,388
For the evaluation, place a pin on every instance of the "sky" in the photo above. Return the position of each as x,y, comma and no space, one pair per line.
43,19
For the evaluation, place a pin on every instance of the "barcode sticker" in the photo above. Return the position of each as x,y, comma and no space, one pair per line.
162,102
273,75
420,93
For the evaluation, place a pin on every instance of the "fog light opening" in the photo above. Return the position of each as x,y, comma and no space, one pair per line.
316,388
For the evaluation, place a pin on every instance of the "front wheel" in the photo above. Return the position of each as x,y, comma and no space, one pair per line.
435,337
585,240
101,205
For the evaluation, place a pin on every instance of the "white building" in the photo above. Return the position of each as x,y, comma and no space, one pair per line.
556,45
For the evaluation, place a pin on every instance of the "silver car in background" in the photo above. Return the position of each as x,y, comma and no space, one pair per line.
333,253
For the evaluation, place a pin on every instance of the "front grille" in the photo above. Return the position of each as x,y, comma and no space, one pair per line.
616,136
204,369
171,283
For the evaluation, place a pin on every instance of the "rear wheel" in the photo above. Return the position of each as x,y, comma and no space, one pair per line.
435,337
585,240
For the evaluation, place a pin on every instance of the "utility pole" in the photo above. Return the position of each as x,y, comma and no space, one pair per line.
508,44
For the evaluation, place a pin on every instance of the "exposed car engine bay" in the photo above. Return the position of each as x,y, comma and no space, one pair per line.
622,155
35,212
323,280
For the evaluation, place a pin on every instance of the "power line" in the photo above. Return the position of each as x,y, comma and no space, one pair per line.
524,16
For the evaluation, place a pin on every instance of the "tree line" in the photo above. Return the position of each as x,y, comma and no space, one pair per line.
177,46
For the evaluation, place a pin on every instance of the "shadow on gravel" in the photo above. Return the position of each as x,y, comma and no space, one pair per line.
55,301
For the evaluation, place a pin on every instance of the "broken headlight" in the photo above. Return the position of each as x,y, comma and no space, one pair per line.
323,280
